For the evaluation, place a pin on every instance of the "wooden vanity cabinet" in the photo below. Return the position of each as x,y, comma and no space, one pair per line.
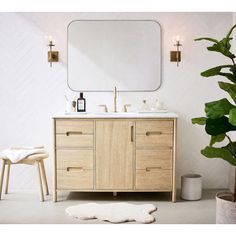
114,155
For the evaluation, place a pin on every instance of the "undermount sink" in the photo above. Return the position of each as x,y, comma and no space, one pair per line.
115,114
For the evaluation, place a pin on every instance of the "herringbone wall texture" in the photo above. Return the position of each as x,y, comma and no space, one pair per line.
31,91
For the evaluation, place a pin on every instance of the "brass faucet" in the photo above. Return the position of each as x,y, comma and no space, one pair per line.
115,97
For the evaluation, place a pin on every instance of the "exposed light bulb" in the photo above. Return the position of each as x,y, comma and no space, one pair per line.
177,38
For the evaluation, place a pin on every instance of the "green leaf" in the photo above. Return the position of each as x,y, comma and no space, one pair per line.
232,116
230,31
223,48
233,69
218,108
229,76
218,138
229,88
214,71
206,38
199,120
218,126
223,152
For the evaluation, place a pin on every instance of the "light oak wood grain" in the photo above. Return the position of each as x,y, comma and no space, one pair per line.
154,141
44,177
54,160
2,176
74,158
74,179
74,140
154,158
174,162
40,181
35,159
114,155
164,126
70,125
154,179
7,179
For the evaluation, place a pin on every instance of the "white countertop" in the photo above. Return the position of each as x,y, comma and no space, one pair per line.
118,115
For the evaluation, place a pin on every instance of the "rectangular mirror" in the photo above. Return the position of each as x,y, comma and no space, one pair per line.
107,53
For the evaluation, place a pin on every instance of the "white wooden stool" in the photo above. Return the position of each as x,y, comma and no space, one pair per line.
35,159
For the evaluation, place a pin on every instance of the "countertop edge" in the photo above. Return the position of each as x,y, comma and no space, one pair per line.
169,115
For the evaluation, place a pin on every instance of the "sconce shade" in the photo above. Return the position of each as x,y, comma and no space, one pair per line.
53,56
175,56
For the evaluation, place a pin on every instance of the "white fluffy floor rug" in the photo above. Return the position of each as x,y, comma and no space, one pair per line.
113,212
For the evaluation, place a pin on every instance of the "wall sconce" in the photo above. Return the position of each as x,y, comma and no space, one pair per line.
53,56
176,55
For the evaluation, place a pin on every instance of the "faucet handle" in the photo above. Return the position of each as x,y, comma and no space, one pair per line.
125,107
104,107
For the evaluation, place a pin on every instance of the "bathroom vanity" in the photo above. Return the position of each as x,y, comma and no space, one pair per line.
115,152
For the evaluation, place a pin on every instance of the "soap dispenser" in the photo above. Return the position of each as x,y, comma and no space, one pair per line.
145,106
81,103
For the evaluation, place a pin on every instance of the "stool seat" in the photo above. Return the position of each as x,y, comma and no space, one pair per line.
34,159
31,158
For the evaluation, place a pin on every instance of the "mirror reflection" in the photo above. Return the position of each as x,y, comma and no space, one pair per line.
103,54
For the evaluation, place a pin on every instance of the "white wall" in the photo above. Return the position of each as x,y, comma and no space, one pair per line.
31,91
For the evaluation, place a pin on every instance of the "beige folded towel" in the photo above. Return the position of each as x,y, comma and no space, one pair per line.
16,154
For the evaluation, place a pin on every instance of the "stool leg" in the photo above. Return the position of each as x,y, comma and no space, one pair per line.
2,176
44,177
40,182
7,180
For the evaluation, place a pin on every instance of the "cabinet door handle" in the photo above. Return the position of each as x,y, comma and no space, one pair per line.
153,168
73,132
148,133
75,168
132,133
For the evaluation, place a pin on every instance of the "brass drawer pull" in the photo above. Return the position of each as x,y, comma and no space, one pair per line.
148,133
132,133
75,132
153,168
75,168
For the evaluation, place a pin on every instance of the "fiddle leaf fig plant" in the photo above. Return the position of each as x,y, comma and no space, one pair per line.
220,116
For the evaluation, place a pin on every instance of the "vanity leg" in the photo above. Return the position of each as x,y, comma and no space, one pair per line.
114,194
174,196
2,176
8,176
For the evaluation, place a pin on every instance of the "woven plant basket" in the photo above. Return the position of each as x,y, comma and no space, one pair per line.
225,208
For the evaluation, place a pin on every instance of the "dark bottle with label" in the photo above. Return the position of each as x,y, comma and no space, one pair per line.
81,103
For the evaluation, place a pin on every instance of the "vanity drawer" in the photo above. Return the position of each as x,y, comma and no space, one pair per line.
74,158
154,127
74,127
154,179
154,140
74,140
74,179
161,159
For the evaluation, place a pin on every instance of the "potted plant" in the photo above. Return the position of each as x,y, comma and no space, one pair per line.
220,119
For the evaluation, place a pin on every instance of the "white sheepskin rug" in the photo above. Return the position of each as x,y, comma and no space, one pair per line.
113,212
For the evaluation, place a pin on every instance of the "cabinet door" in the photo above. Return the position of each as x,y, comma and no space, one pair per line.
114,155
